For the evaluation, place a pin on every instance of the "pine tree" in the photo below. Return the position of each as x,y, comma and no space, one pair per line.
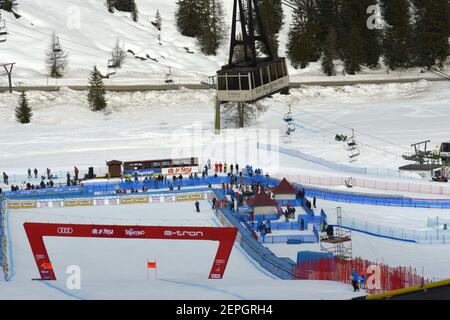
23,110
398,33
212,31
8,5
56,58
158,21
187,15
110,5
431,32
351,28
134,11
371,38
353,57
125,6
302,46
329,52
96,95
272,16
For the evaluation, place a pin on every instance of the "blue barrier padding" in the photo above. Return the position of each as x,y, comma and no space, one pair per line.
303,256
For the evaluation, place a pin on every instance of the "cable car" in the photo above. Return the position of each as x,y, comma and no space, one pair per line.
249,76
250,84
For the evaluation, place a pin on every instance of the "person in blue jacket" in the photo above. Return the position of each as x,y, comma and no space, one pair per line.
355,280
268,226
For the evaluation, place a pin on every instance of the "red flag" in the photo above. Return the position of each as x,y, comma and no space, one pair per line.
151,265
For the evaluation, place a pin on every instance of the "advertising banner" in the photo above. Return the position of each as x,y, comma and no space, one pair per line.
36,231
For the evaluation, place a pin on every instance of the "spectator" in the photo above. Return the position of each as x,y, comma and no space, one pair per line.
355,280
35,173
29,173
5,178
197,206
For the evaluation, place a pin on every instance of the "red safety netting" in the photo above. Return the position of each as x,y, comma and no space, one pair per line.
378,277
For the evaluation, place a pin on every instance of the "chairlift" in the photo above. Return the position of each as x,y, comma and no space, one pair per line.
57,46
288,116
111,68
290,128
169,77
354,153
3,30
352,140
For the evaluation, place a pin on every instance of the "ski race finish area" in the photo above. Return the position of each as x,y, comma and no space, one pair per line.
36,231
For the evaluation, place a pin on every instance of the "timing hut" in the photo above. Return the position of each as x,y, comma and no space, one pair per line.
285,191
114,168
263,204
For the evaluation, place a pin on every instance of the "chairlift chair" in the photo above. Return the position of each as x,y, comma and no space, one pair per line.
3,30
111,67
169,77
290,128
288,117
355,153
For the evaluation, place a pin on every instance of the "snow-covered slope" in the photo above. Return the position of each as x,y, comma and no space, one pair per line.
88,32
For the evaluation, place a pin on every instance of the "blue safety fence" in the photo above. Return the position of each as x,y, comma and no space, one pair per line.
2,208
396,233
378,200
106,188
383,172
283,268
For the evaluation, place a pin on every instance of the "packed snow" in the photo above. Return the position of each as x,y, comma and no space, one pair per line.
110,264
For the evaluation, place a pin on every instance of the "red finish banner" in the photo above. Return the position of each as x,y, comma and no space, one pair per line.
36,231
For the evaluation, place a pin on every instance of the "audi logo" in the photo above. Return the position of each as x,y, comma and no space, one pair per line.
64,230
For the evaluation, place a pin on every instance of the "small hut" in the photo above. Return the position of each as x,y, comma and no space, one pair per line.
114,168
285,191
262,204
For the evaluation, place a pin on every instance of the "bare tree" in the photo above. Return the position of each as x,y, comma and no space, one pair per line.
118,54
239,115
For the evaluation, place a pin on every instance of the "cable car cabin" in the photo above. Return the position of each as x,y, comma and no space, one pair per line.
250,84
444,151
166,167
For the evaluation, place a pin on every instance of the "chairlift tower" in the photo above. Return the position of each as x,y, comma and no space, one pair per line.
250,77
339,243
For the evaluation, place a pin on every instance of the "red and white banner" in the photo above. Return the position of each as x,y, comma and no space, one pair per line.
36,231
180,170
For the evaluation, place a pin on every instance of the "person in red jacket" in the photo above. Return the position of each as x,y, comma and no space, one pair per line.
220,167
217,167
